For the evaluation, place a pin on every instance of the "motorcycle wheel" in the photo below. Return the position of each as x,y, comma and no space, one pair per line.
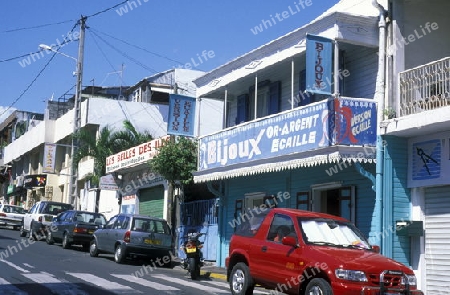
193,266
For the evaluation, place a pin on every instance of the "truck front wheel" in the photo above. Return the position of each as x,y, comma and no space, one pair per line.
240,281
318,286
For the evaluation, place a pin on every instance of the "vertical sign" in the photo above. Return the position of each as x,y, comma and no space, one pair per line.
318,64
181,115
49,158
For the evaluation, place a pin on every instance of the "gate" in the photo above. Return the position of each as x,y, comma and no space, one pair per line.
200,216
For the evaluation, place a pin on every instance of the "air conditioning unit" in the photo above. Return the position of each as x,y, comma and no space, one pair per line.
19,181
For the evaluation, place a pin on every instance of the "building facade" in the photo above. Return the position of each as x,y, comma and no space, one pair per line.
415,160
286,144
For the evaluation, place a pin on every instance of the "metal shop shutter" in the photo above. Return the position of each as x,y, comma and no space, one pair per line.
151,201
437,237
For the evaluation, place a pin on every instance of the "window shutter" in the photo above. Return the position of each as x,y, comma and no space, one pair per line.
274,99
242,109
305,98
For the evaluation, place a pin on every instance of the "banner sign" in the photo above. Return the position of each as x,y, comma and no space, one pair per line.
108,182
37,180
135,155
326,123
319,52
49,158
181,115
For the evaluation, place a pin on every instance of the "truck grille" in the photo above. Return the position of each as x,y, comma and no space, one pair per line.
389,280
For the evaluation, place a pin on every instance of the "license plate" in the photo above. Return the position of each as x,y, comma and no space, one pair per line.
152,242
90,231
48,218
191,250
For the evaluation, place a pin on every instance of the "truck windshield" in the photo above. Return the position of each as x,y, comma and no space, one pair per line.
331,232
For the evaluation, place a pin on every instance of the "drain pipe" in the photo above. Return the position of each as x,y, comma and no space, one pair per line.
377,224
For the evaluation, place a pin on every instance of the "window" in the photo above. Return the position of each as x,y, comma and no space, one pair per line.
282,226
122,222
111,222
267,102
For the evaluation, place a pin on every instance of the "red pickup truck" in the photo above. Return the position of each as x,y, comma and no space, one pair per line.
301,252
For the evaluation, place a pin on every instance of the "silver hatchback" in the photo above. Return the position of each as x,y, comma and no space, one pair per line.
134,236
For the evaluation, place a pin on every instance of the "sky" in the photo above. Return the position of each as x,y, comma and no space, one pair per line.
128,41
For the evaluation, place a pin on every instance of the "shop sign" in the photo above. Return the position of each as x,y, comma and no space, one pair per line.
37,180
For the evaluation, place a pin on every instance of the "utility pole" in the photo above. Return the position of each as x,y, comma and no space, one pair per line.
73,185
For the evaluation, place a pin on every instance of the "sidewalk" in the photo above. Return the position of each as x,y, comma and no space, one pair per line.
209,269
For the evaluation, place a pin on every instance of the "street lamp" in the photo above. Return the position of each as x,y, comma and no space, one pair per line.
77,116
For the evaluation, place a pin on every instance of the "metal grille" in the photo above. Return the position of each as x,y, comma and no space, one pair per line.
197,212
425,87
390,281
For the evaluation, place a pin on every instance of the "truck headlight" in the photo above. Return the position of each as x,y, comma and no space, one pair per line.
351,275
412,281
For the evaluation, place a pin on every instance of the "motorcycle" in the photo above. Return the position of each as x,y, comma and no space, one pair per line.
194,258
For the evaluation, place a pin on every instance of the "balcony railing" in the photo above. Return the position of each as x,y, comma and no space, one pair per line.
425,87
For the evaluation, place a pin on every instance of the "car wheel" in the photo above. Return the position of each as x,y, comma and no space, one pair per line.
318,286
49,238
65,241
93,249
241,282
118,254
23,233
168,263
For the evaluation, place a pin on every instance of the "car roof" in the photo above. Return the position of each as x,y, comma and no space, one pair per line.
140,216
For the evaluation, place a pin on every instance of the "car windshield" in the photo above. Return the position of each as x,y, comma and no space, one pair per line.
331,232
150,226
90,217
13,209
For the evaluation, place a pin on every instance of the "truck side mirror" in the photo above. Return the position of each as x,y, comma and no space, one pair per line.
289,241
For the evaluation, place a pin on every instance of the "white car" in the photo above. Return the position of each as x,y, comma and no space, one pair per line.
11,215
40,217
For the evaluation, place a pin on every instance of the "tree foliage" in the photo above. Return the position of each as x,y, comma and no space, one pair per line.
176,160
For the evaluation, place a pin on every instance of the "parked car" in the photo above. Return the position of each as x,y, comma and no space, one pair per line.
40,216
74,227
134,236
11,215
302,252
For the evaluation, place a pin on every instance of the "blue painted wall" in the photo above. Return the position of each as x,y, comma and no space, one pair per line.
294,181
395,175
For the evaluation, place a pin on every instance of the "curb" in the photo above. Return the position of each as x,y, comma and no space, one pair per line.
213,275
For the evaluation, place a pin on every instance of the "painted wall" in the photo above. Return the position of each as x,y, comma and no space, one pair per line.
295,181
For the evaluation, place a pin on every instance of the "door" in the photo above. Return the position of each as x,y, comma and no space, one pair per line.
151,201
57,233
28,217
283,262
335,200
437,236
103,234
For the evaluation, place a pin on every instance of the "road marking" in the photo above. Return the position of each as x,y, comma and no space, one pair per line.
56,286
7,288
145,282
103,283
15,266
27,265
190,284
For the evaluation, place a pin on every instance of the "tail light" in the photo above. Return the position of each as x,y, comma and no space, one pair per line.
40,218
190,245
80,230
2,214
127,236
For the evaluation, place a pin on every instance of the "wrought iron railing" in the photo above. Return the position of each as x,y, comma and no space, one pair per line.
198,212
425,87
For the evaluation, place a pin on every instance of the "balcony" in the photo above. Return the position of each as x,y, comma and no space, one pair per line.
426,87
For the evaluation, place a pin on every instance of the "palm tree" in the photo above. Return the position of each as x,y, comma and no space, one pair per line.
107,143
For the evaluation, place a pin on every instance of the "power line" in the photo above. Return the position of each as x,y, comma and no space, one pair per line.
125,55
138,47
37,26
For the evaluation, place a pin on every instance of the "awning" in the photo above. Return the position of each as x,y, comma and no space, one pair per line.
329,155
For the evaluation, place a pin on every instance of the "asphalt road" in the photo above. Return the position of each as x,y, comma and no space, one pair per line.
28,267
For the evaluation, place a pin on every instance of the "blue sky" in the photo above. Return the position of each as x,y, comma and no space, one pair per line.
135,40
